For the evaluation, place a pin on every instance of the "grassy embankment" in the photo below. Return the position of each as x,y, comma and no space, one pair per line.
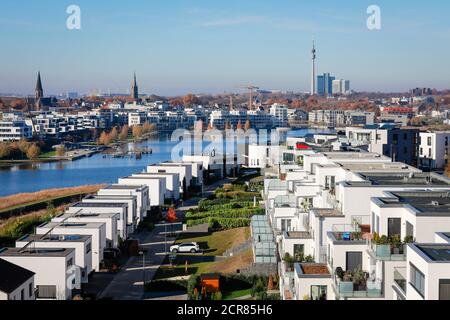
19,214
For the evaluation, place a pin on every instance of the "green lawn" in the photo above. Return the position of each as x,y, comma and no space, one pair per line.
217,243
48,154
236,294
214,244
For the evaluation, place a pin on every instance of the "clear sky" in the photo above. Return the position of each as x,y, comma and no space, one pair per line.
181,46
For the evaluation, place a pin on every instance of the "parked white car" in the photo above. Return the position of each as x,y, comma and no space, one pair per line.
191,247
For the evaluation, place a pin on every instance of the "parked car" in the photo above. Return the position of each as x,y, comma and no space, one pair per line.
191,247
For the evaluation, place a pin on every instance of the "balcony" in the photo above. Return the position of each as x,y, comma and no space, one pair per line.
388,252
357,284
400,278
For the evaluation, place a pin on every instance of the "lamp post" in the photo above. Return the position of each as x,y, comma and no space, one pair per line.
143,267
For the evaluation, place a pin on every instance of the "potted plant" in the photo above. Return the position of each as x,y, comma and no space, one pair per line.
339,273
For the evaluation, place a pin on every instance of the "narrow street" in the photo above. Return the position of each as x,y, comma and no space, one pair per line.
128,283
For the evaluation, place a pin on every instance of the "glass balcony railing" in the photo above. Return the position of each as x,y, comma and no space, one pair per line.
386,252
400,278
370,289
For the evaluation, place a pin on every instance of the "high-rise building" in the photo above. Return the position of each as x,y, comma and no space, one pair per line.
325,84
313,71
340,87
134,89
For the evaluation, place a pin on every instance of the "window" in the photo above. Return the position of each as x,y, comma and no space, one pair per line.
161,171
429,141
417,280
299,251
285,225
444,289
46,292
69,262
353,261
88,248
330,182
22,294
318,292
30,289
394,227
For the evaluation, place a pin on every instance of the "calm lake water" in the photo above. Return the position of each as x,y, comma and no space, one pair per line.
93,170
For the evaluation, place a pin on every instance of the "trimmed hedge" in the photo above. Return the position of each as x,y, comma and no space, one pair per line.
236,213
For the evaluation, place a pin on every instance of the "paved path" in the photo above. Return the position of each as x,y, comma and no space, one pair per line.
128,283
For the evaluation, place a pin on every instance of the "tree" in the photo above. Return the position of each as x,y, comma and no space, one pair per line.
447,170
137,132
123,136
175,102
60,150
5,150
113,134
190,100
172,215
33,152
239,125
23,146
298,104
247,125
104,139
149,127
227,125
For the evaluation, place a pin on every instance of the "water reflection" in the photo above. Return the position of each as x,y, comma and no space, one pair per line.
99,168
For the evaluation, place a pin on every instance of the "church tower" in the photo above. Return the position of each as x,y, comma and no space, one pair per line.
134,89
39,92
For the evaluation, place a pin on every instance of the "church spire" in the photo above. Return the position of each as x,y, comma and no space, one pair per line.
134,89
39,90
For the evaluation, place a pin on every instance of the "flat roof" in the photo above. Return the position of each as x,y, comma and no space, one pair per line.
436,252
98,204
327,213
124,187
353,155
87,215
55,238
142,178
38,252
373,166
405,178
425,202
77,225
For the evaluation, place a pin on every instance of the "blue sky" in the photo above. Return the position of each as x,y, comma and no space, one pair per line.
181,46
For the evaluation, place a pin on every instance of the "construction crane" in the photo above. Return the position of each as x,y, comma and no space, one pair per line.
250,88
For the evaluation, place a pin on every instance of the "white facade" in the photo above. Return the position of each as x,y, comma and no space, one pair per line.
54,275
81,244
96,230
434,149
156,188
172,182
141,193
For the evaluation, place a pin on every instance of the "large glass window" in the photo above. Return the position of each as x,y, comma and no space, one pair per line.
318,292
394,227
444,289
299,251
417,280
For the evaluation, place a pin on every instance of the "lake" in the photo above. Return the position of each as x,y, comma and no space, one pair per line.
94,170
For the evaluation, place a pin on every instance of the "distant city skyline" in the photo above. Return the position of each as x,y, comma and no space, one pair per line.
177,47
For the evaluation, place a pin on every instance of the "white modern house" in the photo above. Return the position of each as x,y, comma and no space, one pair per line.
172,181
131,201
55,275
16,283
184,170
139,191
433,150
81,243
112,210
156,187
94,229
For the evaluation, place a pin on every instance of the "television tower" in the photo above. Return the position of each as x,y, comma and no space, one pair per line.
313,73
